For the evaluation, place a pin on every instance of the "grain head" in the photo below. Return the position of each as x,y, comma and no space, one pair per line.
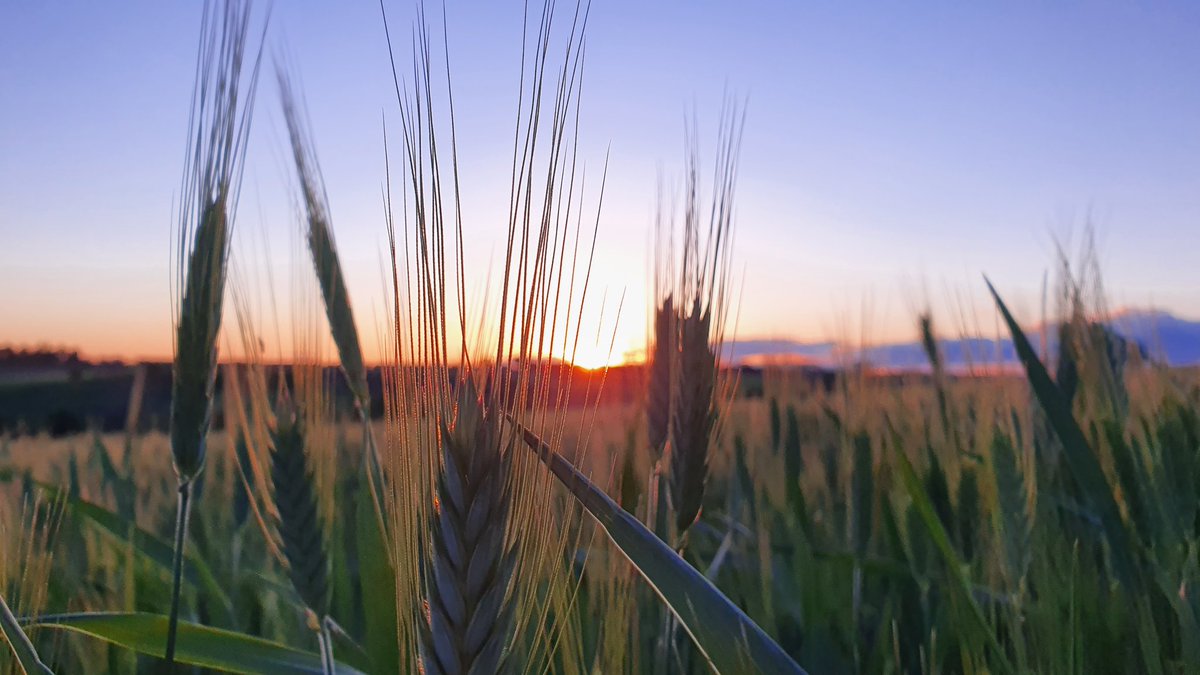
299,519
220,121
321,246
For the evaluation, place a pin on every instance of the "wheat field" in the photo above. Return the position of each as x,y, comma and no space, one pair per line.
488,506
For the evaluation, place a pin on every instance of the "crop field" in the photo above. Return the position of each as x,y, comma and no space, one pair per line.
884,526
482,502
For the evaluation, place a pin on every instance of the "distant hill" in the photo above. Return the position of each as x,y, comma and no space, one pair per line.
779,352
1164,336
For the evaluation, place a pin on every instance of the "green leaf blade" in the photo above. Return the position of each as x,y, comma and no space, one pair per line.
378,584
148,546
1084,464
941,540
197,645
18,641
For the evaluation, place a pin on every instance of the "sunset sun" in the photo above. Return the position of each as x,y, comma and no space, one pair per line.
595,357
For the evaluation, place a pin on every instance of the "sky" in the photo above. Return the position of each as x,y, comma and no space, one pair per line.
893,154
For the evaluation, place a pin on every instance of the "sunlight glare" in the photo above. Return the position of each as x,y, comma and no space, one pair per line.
595,357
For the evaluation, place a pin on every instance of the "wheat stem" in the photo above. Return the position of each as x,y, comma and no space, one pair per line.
181,526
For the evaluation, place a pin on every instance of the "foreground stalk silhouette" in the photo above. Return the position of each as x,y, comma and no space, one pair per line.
220,121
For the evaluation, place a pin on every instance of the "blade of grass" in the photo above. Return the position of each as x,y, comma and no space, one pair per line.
1084,464
954,566
22,648
195,645
149,547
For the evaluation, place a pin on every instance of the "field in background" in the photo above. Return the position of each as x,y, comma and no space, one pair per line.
994,556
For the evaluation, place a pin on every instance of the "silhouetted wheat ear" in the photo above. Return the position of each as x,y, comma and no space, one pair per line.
219,125
195,368
321,245
470,613
299,519
337,307
693,417
658,386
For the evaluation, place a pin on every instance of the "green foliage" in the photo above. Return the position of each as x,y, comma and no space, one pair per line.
728,639
152,549
977,621
378,591
854,570
1015,523
1085,467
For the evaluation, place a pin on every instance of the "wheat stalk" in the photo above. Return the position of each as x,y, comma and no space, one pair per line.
491,545
213,160
29,527
700,301
328,269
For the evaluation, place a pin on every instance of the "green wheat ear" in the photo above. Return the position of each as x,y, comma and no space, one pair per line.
334,295
220,122
321,245
862,494
195,368
299,520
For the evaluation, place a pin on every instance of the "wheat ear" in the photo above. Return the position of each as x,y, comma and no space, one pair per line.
300,525
658,386
328,269
701,301
220,122
694,417
470,612
299,519
321,245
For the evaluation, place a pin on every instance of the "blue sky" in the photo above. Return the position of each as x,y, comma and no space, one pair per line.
893,151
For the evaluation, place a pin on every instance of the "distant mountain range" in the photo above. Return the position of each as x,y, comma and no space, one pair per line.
1164,337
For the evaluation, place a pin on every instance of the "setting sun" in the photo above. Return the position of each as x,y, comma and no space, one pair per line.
595,357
